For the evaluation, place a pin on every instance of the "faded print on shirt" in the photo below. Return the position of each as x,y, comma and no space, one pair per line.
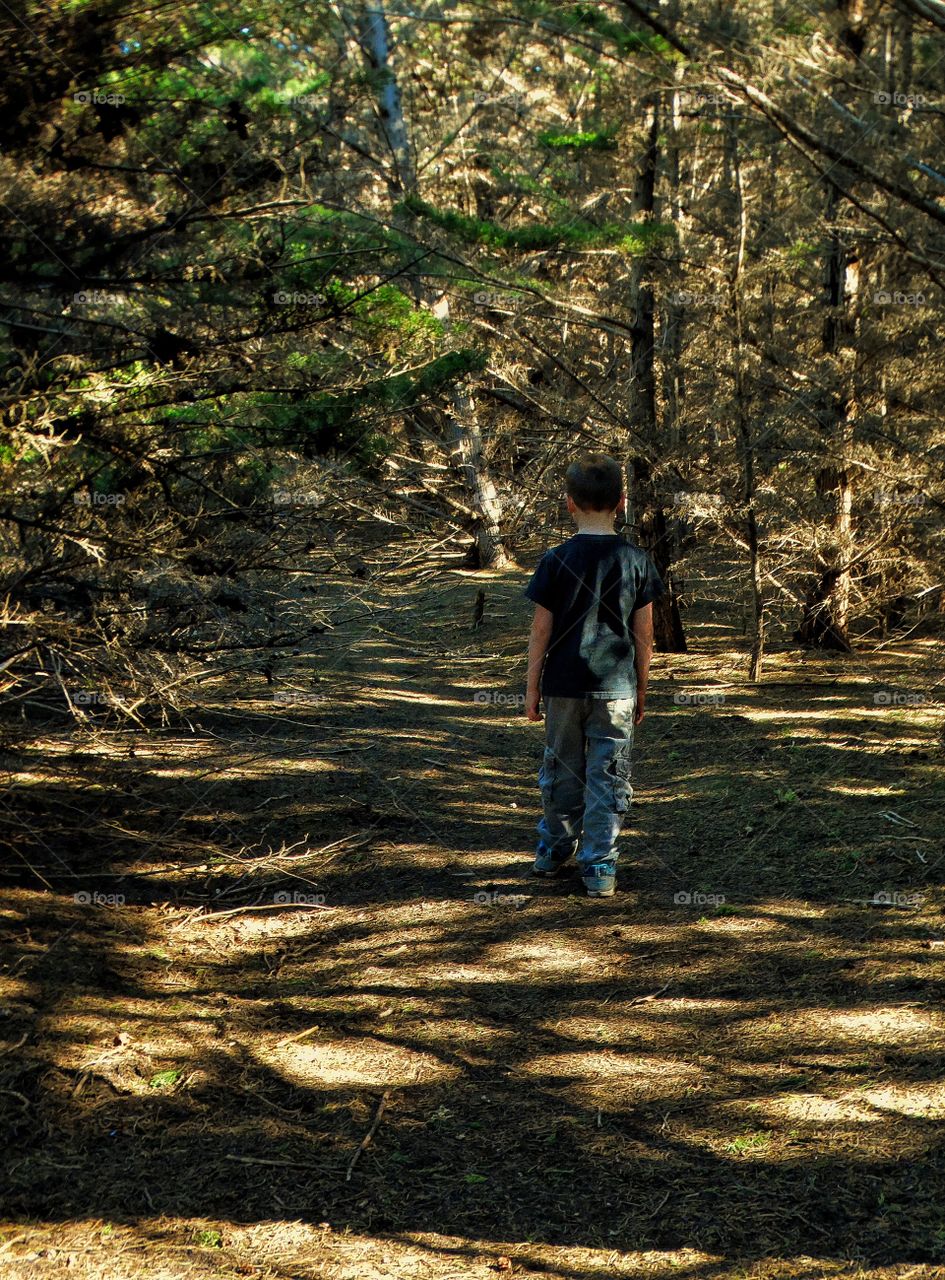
592,584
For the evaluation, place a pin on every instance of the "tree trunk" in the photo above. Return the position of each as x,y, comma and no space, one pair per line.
826,619
652,527
672,313
742,411
654,537
375,43
825,622
487,550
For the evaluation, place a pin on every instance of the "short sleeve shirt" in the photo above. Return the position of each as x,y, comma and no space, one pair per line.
593,584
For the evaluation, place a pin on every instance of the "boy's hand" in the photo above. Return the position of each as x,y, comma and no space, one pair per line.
639,712
538,641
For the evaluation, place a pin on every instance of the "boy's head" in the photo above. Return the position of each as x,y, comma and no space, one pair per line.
594,482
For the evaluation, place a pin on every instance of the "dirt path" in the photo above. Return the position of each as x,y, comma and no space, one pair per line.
747,1083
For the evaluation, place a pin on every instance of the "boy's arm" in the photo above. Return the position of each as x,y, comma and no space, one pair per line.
641,624
538,642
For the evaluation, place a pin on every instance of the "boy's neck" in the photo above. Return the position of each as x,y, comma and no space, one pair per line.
595,521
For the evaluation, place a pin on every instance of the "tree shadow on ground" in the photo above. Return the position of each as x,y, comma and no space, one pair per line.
754,1078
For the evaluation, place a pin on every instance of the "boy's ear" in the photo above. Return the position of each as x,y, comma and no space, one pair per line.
571,504
622,504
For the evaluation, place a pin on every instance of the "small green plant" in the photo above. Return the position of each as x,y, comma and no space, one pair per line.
749,1142
165,1079
208,1239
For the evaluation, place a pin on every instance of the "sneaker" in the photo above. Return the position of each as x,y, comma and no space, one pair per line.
599,880
547,868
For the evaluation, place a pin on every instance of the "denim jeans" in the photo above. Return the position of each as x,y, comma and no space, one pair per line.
585,777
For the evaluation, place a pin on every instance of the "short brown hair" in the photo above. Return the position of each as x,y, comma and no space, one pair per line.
594,482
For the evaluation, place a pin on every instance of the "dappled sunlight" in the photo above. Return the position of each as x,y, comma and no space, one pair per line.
816,1027
868,1105
369,1063
815,1108
585,1028
330,916
548,957
666,1076
288,1247
862,789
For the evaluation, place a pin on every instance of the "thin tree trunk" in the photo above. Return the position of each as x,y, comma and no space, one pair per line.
465,442
672,314
487,551
375,42
652,527
825,623
826,620
742,414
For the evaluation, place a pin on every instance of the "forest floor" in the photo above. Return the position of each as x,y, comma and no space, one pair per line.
306,914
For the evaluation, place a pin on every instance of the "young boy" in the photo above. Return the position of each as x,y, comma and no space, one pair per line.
588,661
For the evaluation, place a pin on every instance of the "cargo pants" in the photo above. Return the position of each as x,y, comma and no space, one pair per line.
585,778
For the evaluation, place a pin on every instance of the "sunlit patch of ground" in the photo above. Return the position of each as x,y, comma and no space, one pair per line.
206,1248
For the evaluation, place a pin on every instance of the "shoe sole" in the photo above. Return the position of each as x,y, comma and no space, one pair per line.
600,893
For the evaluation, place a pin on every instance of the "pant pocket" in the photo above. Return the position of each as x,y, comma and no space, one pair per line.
547,773
620,773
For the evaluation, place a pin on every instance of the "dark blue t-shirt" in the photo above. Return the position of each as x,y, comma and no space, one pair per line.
592,584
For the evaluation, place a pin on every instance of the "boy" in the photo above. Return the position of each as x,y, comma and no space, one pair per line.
588,661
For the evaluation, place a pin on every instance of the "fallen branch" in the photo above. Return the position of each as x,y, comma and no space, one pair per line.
265,906
294,1164
370,1133
652,996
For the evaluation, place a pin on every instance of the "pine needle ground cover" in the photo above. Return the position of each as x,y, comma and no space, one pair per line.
300,920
